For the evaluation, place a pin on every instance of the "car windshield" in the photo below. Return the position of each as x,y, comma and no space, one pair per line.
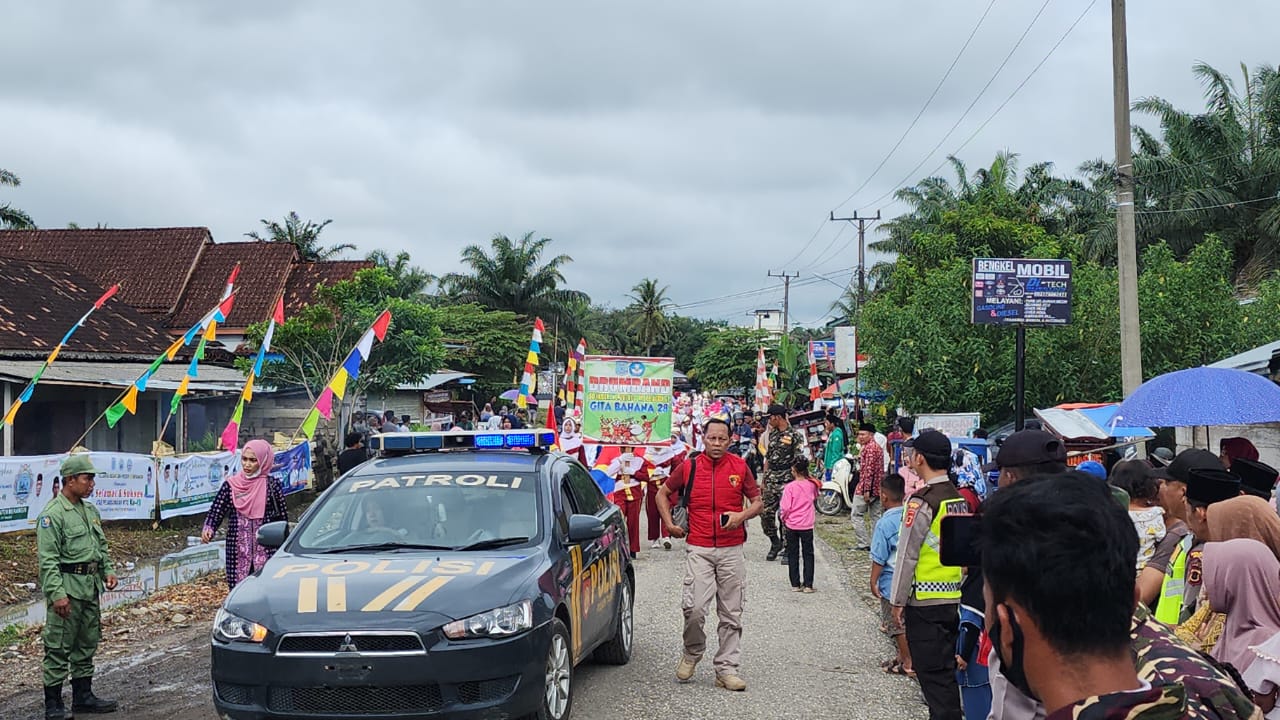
409,511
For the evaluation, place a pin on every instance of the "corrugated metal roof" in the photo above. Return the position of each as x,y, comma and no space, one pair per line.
120,374
435,380
1087,424
1254,360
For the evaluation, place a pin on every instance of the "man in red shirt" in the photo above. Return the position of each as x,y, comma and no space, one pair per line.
715,566
866,503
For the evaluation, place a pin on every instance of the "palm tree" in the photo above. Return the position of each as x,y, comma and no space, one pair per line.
412,282
649,305
303,235
12,218
512,276
1215,172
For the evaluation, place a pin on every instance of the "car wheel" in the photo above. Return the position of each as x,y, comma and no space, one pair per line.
617,651
557,690
830,503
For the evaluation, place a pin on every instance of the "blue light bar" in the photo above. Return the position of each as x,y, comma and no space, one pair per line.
415,442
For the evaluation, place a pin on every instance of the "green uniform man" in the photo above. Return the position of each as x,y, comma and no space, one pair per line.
74,570
786,445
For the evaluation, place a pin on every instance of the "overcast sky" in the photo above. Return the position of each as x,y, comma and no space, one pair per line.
701,143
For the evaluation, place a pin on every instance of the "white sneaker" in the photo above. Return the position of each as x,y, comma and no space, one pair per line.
655,545
666,543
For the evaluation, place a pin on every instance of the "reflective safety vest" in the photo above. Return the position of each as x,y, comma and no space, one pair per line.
933,580
1169,610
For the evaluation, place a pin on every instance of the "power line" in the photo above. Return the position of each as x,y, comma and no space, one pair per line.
969,109
920,114
1002,105
840,230
809,242
1207,207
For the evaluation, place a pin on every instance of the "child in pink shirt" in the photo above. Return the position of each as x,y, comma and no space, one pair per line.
797,513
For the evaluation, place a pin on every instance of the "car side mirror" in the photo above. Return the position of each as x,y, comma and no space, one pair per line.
583,528
273,534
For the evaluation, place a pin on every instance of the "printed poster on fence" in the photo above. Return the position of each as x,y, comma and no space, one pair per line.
125,488
26,485
189,482
292,467
627,400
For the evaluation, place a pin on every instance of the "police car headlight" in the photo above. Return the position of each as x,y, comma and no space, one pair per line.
233,628
502,622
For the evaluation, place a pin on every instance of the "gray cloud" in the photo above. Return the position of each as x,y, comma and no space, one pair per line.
700,143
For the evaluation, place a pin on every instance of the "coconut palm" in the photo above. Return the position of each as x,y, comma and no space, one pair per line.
11,218
648,310
1215,172
513,276
303,235
412,282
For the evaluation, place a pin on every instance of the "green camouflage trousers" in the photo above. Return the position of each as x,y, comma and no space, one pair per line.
772,494
70,643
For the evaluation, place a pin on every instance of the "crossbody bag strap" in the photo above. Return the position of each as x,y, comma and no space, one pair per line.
688,485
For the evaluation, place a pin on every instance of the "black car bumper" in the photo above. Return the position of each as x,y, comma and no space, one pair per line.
471,679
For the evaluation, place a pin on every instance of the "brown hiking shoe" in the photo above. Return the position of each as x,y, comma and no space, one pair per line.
731,682
684,671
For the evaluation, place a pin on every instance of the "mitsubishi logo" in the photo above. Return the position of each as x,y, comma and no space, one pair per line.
348,645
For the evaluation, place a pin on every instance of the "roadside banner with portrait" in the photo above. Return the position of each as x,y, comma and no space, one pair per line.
188,483
627,400
26,485
125,488
292,467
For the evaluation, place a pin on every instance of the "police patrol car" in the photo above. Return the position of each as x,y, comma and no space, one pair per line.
456,575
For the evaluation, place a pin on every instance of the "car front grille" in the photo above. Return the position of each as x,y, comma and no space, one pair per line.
356,700
366,643
234,694
486,691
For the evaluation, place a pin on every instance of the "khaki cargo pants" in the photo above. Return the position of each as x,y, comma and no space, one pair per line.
719,573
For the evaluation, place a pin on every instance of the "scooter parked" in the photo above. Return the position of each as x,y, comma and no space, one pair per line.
836,495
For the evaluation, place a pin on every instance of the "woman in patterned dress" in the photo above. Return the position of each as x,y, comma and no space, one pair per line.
247,500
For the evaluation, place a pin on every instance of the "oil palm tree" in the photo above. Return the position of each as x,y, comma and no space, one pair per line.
1217,171
513,276
412,282
648,310
11,218
303,235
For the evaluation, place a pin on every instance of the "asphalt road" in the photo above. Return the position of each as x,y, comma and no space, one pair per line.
812,656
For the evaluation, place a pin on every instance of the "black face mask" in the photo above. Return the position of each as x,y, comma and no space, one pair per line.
1012,668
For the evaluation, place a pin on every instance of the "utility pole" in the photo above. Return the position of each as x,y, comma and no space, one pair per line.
786,297
1126,233
862,250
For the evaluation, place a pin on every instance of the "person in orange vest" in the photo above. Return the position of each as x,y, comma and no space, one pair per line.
629,473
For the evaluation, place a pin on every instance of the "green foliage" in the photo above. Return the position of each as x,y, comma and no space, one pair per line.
494,343
305,236
315,342
648,310
11,218
727,359
411,281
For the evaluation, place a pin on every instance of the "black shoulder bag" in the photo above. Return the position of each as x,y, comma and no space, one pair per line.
680,513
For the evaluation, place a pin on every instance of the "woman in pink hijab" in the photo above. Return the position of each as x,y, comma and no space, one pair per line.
248,500
1242,578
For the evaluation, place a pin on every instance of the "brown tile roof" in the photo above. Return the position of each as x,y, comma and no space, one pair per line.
40,301
151,264
264,269
301,288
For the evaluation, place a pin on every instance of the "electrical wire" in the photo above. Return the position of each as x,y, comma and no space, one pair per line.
923,108
1207,207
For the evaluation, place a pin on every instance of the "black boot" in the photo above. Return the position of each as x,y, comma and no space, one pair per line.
84,701
53,707
775,547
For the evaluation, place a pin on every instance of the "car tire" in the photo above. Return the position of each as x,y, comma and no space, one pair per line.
617,651
557,684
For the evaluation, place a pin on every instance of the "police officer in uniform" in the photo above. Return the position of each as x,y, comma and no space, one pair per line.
75,568
926,595
786,445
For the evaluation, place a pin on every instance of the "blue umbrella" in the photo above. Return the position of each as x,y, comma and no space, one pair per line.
1202,396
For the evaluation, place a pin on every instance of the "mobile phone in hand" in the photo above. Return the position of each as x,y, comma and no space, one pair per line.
724,519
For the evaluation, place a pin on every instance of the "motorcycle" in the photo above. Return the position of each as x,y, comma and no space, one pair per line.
836,495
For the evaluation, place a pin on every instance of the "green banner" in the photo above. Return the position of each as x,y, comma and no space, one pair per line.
627,400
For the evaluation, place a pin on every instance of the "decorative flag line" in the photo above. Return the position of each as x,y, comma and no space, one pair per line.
525,397
25,395
581,395
350,369
763,394
210,333
815,385
128,402
572,388
230,438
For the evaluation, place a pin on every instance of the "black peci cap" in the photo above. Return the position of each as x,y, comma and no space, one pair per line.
1207,486
1256,478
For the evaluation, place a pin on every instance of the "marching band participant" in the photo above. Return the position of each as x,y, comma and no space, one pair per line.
629,473
664,460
